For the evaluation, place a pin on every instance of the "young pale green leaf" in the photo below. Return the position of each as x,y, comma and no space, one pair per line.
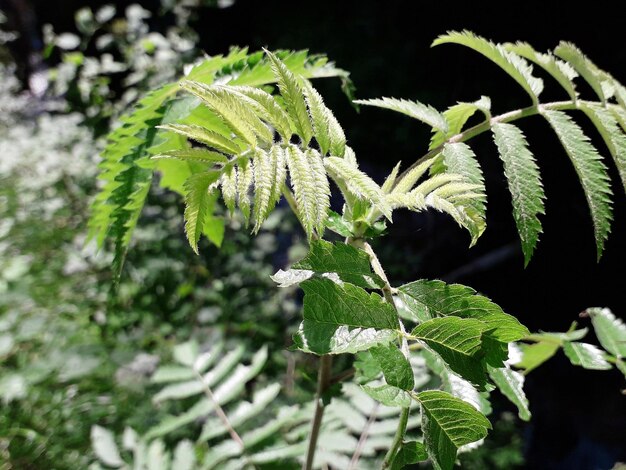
390,181
358,183
291,91
610,330
524,182
228,183
104,447
395,367
572,335
328,132
459,159
621,366
235,112
591,172
330,303
264,177
245,179
198,205
321,187
586,355
609,128
322,338
449,423
389,395
413,175
587,69
425,113
431,299
457,115
205,136
194,155
508,61
303,183
411,452
351,264
536,354
184,456
267,108
511,384
561,71
458,341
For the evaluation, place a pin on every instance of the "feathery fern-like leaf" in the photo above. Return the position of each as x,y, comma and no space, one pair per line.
457,116
587,69
291,92
197,204
511,63
390,181
267,108
303,184
228,183
205,136
194,155
591,172
328,132
264,174
358,183
245,179
422,112
524,182
609,128
561,71
321,187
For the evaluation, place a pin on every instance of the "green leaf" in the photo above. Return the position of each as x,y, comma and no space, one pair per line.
431,299
395,367
561,71
508,61
422,112
205,136
524,182
328,302
291,92
389,395
591,172
194,155
511,384
245,179
411,452
328,132
358,183
104,447
587,69
321,188
457,115
536,354
198,202
266,107
321,338
184,456
449,423
459,159
455,385
351,264
610,330
609,128
458,341
265,172
303,182
586,355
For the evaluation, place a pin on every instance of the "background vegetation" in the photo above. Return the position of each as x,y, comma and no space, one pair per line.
72,356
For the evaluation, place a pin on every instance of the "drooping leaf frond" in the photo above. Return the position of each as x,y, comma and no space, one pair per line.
561,71
194,155
510,62
524,183
596,79
609,128
228,183
591,172
205,136
267,108
245,179
303,184
425,113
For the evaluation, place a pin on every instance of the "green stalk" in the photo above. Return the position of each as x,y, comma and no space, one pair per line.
323,380
397,439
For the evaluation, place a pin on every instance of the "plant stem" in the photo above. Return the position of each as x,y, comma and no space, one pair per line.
397,439
323,380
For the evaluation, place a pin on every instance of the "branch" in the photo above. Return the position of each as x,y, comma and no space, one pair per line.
323,380
397,439
363,438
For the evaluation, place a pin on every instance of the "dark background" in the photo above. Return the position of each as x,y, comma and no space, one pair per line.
579,417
